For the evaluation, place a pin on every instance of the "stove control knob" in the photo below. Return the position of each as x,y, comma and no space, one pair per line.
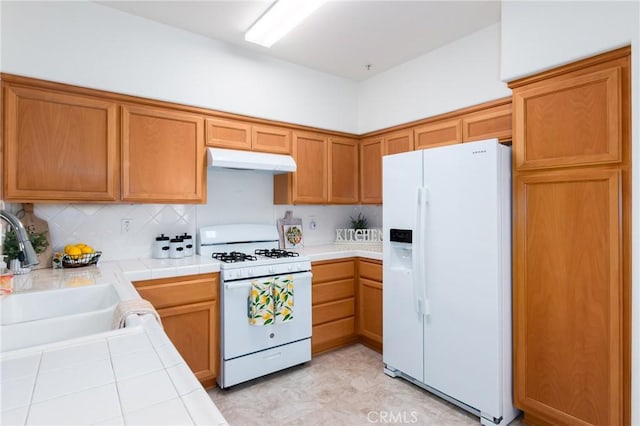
230,274
290,267
248,272
272,269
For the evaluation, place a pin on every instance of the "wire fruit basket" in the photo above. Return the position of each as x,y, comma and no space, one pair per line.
80,260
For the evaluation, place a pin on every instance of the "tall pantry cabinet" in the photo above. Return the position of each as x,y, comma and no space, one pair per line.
572,252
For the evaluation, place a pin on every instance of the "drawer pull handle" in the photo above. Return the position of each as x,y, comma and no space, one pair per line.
274,356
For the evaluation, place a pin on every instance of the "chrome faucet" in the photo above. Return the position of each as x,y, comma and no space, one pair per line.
27,255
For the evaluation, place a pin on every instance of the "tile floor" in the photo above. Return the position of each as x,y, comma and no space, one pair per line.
342,387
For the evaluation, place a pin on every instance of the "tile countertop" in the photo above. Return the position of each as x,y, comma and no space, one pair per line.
132,375
341,251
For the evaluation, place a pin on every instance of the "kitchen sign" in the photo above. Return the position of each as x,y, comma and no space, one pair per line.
358,235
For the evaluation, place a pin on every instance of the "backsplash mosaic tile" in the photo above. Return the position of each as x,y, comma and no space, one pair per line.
99,225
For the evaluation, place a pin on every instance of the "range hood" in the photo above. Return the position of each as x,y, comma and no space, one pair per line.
248,160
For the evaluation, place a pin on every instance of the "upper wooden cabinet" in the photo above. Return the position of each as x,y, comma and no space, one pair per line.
438,133
162,155
230,134
371,150
398,141
309,183
234,134
270,139
343,171
571,119
59,147
488,123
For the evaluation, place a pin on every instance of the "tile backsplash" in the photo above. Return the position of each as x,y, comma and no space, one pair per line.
232,197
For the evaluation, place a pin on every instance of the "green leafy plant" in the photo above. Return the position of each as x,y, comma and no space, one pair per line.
360,222
10,247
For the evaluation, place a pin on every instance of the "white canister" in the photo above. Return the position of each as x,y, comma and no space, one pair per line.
176,251
160,248
187,244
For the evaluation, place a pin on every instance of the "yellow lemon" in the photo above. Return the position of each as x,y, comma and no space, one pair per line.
80,245
68,247
87,250
74,252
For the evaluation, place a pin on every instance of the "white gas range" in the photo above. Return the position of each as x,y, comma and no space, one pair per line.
250,253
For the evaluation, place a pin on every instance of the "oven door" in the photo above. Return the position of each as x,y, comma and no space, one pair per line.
241,338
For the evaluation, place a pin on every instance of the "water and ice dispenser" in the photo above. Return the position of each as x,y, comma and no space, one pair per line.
401,249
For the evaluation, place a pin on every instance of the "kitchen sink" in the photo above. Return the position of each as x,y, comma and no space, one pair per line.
32,306
31,319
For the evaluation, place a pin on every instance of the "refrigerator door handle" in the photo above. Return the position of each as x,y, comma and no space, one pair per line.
419,275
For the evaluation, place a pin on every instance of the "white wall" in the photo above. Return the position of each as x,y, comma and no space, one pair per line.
540,35
87,44
460,74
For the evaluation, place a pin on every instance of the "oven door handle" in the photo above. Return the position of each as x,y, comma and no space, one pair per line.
297,276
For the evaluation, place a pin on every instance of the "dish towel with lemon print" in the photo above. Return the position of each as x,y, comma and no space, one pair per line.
271,301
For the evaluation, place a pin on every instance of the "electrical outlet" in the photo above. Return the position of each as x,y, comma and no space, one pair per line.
125,226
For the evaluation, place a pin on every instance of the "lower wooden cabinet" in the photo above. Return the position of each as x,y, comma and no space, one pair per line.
333,304
370,303
188,307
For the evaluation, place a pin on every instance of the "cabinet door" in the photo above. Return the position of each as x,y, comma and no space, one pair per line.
270,139
229,134
400,141
59,146
438,133
569,120
162,155
489,123
343,171
310,179
371,171
370,311
568,296
193,330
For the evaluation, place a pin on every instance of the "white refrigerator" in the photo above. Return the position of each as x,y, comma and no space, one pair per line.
447,274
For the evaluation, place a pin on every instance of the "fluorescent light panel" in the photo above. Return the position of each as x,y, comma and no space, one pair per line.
281,18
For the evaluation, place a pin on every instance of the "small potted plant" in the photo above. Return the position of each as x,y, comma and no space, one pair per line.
10,246
360,222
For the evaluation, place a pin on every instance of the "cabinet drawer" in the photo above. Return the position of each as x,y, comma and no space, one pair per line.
341,330
371,270
335,290
331,271
333,310
176,291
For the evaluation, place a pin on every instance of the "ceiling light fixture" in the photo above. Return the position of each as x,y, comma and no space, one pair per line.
281,18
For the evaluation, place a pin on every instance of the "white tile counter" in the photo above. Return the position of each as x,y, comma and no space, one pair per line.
342,251
134,376
127,376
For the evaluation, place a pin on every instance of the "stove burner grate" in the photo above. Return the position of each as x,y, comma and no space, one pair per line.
233,257
276,253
